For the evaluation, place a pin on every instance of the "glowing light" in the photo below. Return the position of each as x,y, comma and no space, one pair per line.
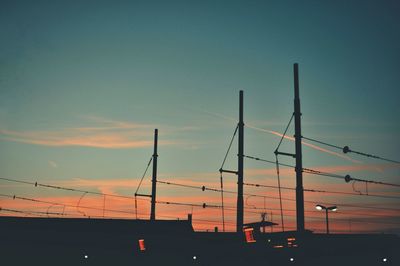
278,246
86,256
292,259
319,207
142,247
384,259
194,257
248,232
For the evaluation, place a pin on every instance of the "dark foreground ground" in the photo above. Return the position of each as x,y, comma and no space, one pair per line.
58,241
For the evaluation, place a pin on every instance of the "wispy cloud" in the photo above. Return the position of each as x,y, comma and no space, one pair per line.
53,164
101,133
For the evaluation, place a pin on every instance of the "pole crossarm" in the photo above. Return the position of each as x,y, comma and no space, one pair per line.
142,195
228,171
285,154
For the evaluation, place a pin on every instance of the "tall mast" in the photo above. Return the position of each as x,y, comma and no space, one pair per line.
154,178
239,215
299,159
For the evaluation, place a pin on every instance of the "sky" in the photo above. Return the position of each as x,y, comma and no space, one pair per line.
83,85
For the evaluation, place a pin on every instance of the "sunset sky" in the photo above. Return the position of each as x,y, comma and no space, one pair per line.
83,84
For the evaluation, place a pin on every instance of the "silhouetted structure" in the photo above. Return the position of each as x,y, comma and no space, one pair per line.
299,156
59,241
154,178
239,211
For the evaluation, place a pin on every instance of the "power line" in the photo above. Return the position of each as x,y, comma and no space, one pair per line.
284,133
144,174
346,149
229,147
36,184
221,178
204,188
323,191
45,214
62,204
140,183
204,205
277,169
39,213
347,178
172,203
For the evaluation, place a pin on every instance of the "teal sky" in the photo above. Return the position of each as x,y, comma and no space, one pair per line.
83,84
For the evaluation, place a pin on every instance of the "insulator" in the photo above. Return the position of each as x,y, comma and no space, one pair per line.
347,178
346,149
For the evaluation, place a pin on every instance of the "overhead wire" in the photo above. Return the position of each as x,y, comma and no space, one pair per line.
183,185
140,183
277,170
346,149
33,213
347,178
174,203
221,177
323,191
37,184
65,204
38,213
204,188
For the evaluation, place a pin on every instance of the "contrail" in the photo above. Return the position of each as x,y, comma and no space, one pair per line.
315,147
219,115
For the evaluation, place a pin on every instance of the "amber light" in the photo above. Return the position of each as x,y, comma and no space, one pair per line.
142,247
248,232
291,242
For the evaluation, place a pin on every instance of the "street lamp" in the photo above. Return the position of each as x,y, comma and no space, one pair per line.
331,208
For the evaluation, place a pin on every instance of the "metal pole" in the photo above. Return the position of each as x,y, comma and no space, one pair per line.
239,214
327,223
154,178
299,161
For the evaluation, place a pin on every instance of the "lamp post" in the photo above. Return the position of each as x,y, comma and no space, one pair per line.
331,208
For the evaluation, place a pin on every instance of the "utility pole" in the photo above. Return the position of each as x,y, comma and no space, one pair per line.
154,178
299,160
239,214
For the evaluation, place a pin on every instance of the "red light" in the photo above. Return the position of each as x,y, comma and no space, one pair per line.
141,245
248,232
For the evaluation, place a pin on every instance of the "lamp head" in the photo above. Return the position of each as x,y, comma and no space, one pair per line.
333,208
